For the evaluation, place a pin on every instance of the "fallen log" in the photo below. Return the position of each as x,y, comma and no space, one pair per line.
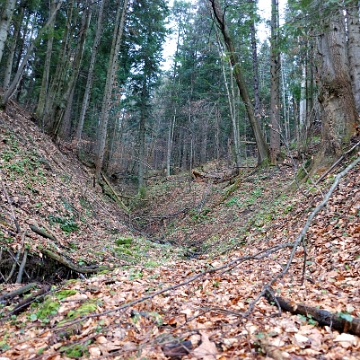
24,289
23,304
80,269
338,322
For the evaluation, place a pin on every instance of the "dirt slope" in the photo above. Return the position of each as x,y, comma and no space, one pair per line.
208,307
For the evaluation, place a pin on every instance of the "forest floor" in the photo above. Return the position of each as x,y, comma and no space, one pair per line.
197,270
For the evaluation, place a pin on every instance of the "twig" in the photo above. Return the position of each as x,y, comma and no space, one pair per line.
17,262
13,267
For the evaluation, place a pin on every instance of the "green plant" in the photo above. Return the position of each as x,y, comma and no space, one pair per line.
308,318
76,351
8,155
67,225
233,201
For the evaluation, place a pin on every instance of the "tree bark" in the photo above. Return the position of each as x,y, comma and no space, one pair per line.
255,64
335,92
231,101
275,66
263,151
5,20
46,73
110,79
11,56
352,13
90,77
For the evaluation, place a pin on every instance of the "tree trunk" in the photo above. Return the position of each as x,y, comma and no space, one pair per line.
142,139
352,13
275,129
335,93
110,79
18,76
46,73
255,64
60,108
11,56
90,77
263,151
5,20
231,101
170,142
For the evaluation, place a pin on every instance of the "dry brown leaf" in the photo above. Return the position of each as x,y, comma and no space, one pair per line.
207,350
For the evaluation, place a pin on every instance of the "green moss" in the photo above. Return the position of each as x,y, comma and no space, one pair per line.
49,307
63,294
123,241
84,309
123,250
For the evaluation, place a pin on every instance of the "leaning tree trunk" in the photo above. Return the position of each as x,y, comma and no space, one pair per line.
275,84
110,80
335,93
352,12
263,151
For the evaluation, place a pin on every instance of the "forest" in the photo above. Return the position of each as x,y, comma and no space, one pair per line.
178,183
91,75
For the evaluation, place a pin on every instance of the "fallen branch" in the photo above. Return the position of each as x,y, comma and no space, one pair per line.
117,196
20,291
42,233
323,317
22,267
336,163
226,267
80,269
26,302
301,236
